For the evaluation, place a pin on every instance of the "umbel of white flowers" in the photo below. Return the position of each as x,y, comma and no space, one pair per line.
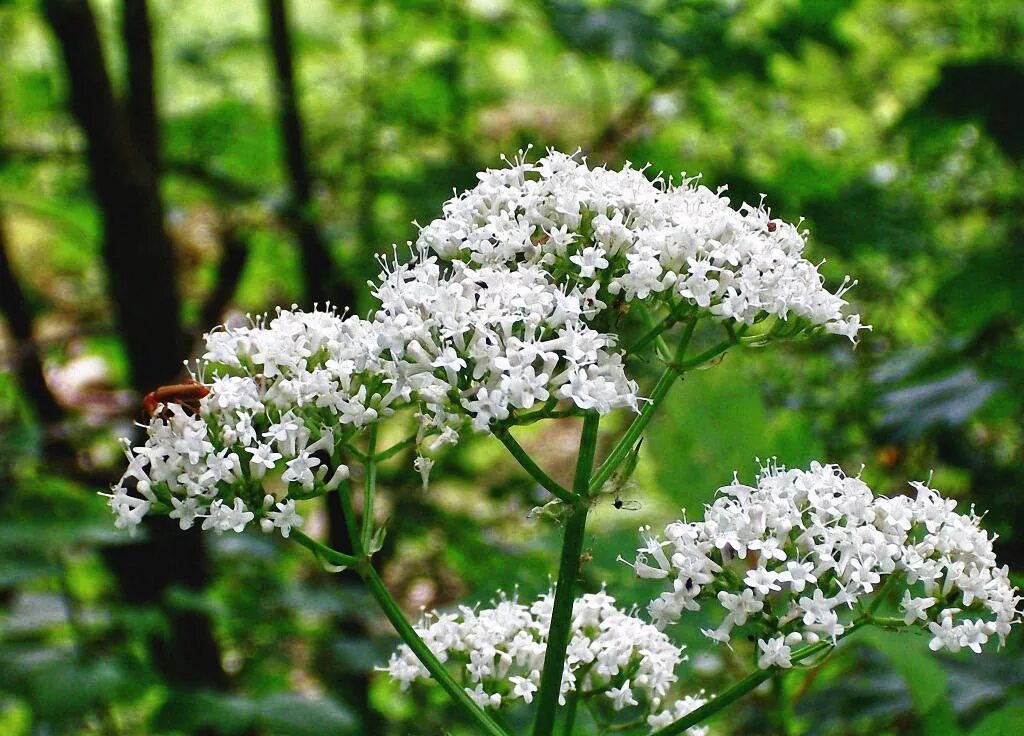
802,552
505,303
613,657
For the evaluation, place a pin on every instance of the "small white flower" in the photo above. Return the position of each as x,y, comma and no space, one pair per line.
622,696
774,653
284,517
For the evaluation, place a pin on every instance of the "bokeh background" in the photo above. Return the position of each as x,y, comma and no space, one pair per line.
167,165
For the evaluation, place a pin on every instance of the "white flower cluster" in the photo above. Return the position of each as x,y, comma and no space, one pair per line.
485,340
619,233
500,651
799,554
281,395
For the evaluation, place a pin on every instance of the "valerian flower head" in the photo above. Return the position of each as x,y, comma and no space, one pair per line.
281,393
802,553
623,663
612,233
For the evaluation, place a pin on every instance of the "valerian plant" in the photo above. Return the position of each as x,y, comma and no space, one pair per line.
532,298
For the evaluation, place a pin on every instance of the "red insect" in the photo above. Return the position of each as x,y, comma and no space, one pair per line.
185,395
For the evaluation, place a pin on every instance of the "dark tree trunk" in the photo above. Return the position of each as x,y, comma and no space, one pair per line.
136,250
137,32
321,277
141,283
27,365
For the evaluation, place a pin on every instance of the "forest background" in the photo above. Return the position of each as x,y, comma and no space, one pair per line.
170,164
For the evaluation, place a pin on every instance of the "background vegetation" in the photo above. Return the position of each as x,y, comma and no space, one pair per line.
167,165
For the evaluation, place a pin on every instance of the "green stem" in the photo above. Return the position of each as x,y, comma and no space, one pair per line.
713,352
394,449
345,494
394,614
405,630
629,439
653,334
323,552
370,489
782,704
545,481
570,713
747,684
568,569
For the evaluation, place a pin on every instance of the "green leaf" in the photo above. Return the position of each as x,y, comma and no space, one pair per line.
292,714
1007,719
192,712
923,674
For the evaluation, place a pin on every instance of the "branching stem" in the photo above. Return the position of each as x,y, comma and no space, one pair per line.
629,439
545,481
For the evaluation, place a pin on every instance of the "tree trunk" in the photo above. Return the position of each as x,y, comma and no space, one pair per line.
136,250
141,283
27,365
321,277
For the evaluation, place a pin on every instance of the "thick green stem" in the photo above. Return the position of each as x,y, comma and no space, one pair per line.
457,693
369,489
747,684
570,714
568,569
545,481
629,439
783,710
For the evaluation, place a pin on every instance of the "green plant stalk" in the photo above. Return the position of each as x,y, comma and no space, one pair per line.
455,691
345,494
654,334
568,569
370,489
394,614
570,714
394,449
783,711
749,683
735,336
545,481
629,439
323,552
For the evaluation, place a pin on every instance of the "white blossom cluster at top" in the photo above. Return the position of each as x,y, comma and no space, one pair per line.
802,552
620,233
612,655
503,306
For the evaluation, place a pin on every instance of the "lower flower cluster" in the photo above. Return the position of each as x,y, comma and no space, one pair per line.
801,556
616,661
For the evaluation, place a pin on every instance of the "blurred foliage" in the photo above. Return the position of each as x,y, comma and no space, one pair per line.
892,127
